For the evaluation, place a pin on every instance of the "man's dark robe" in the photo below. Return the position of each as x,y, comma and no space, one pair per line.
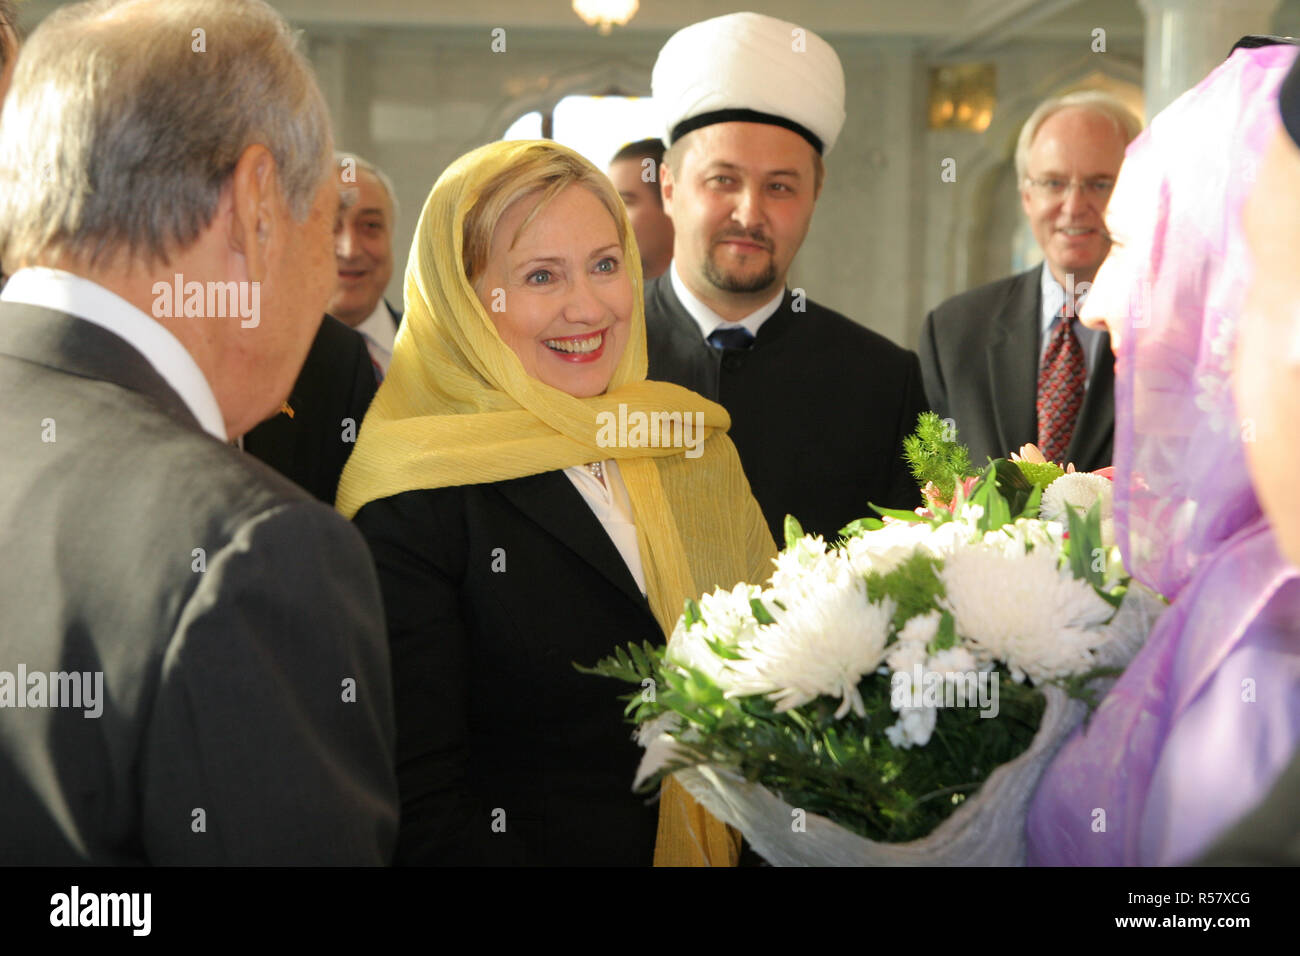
329,399
819,407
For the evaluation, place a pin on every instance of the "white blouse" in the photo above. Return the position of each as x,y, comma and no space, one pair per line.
613,509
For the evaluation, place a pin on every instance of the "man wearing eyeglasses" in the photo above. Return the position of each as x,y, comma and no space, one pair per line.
1009,362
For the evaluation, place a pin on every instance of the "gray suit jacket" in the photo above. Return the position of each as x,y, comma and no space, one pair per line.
979,360
246,712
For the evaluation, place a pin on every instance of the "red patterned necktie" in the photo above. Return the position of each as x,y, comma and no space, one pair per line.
1061,383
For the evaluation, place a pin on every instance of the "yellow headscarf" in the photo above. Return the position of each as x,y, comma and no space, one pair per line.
457,408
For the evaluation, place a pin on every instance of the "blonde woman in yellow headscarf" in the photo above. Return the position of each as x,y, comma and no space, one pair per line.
523,517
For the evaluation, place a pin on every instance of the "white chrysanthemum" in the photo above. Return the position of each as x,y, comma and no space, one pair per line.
921,627
1024,611
914,727
821,643
805,565
688,648
727,619
950,536
728,615
1079,491
953,660
905,655
1024,534
885,548
910,648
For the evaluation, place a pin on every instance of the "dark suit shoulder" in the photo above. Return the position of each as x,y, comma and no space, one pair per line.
217,599
979,304
223,488
336,336
839,329
418,505
663,312
425,523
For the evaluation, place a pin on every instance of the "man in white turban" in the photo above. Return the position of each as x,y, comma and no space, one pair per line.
819,404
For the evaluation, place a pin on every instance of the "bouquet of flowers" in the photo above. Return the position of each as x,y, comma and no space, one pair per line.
893,697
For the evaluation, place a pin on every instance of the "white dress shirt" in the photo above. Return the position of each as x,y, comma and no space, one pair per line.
65,292
708,320
1053,298
613,509
379,332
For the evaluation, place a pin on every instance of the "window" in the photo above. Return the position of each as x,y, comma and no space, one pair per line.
528,126
595,126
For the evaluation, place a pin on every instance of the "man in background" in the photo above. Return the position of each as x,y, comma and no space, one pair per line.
1009,362
311,438
634,170
193,659
819,404
363,246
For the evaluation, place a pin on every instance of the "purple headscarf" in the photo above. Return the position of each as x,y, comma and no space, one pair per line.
1207,715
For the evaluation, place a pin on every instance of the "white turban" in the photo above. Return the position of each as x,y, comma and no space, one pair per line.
746,67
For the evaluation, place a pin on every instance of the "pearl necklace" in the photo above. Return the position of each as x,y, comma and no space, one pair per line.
597,470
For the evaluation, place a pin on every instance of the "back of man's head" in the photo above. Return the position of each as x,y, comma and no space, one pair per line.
127,119
177,153
638,153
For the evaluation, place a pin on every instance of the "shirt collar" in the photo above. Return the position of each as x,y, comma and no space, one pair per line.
91,302
378,327
708,320
1053,298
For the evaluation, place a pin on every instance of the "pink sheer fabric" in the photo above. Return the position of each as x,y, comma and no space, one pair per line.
1208,714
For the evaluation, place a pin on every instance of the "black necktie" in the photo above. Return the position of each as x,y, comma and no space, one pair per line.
738,338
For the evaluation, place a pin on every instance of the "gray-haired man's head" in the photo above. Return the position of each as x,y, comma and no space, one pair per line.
146,140
363,241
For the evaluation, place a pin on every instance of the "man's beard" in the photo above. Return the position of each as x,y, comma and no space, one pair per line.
728,282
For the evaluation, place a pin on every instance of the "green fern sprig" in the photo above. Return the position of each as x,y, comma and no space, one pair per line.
934,455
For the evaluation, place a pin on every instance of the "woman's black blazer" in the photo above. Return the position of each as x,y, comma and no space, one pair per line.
505,753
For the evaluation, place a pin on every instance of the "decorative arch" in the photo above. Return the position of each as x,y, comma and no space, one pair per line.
547,91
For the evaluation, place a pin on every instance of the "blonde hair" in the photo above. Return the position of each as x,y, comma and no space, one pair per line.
1094,101
125,123
542,171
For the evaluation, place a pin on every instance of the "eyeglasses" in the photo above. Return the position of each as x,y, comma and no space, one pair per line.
1098,188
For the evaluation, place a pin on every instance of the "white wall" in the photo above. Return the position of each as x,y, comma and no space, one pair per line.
889,239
